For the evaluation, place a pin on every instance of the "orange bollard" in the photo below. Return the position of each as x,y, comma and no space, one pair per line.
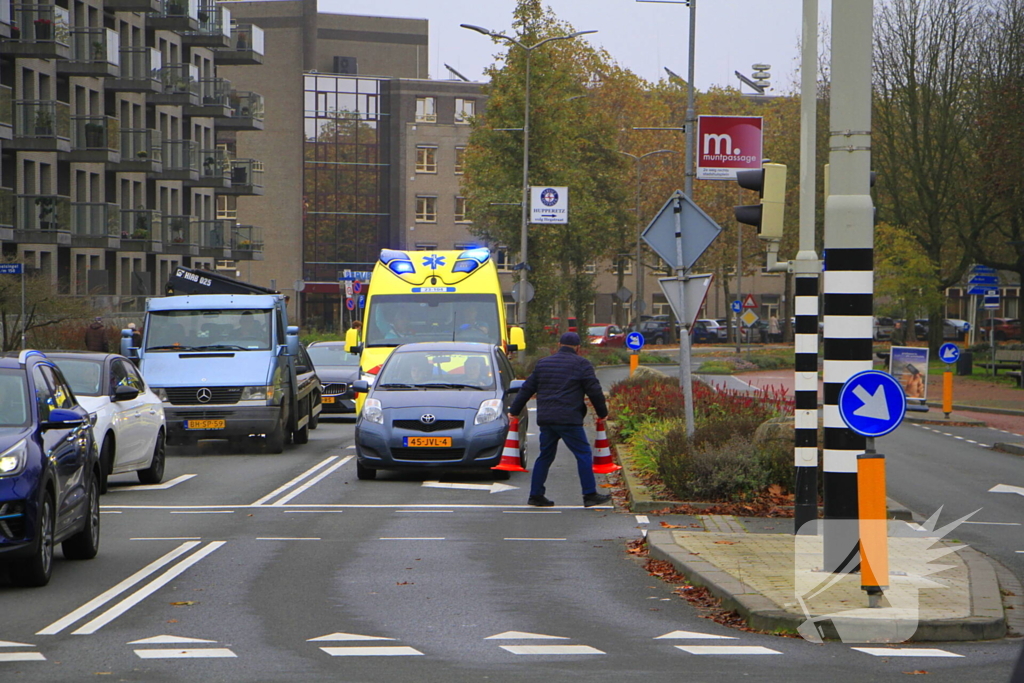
947,393
874,536
634,361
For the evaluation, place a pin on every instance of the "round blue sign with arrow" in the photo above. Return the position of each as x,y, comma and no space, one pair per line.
635,340
872,403
736,306
949,353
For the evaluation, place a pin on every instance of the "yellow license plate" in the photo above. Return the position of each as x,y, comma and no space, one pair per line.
427,441
327,399
205,424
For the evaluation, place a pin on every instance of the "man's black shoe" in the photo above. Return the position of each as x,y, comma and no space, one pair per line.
592,499
540,502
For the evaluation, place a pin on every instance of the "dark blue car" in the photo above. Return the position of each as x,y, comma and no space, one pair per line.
49,471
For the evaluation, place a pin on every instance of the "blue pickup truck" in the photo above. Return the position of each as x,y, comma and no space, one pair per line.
226,365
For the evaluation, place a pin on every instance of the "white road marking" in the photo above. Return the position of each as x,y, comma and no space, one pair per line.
356,506
308,473
9,643
551,650
411,538
996,523
424,510
532,512
377,651
286,538
22,657
108,595
535,539
169,640
642,519
189,653
905,652
1006,488
147,590
1019,551
523,635
352,446
342,637
314,481
202,512
727,650
110,512
154,487
493,488
959,437
311,511
693,635
169,538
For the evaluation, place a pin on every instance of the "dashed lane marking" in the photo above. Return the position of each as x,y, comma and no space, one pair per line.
22,657
905,652
154,487
551,650
411,538
996,523
727,650
424,511
287,538
535,539
532,512
168,538
202,512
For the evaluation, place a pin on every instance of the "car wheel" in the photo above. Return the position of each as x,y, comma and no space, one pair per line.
106,461
1000,336
154,474
275,439
314,420
36,570
659,340
301,435
86,543
365,473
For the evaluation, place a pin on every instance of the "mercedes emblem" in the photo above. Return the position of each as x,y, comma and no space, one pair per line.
204,395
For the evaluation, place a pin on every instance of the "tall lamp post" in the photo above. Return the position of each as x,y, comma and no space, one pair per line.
526,150
637,302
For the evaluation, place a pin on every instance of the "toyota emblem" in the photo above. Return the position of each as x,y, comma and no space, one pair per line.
427,419
204,395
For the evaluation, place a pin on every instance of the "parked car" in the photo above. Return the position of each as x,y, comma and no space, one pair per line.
883,327
127,416
702,333
337,369
49,470
1005,328
606,335
657,331
553,327
437,405
951,330
717,326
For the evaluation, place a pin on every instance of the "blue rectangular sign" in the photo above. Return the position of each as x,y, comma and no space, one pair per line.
978,268
978,291
983,280
11,268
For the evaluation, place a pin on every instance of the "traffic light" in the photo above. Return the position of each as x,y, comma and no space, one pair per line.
770,183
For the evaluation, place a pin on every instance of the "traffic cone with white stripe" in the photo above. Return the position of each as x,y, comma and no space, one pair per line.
603,462
510,458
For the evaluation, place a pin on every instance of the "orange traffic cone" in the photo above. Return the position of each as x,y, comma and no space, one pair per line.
603,463
510,460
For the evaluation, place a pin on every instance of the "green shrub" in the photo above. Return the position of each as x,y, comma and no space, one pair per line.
645,442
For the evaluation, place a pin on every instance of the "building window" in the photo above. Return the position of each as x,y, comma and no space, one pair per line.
426,159
464,110
627,266
460,210
501,259
425,110
227,207
590,268
460,156
426,209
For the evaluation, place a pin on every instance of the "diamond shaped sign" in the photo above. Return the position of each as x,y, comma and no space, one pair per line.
698,231
749,318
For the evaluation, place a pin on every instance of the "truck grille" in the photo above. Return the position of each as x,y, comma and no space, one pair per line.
189,396
417,426
427,454
335,389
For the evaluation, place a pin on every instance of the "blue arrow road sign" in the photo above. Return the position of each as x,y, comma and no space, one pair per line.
635,340
983,280
949,353
872,403
736,306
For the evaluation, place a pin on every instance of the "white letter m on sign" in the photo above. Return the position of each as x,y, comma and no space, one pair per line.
718,140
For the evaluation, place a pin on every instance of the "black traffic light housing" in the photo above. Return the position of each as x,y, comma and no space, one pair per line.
769,182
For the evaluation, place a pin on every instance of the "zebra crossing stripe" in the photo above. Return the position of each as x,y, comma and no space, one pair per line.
186,653
552,650
22,657
727,650
374,651
905,652
694,635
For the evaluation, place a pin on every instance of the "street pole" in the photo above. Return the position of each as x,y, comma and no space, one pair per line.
685,372
23,321
849,255
806,269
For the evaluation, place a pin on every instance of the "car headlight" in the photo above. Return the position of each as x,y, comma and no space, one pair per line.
92,419
257,393
12,461
160,392
372,411
489,411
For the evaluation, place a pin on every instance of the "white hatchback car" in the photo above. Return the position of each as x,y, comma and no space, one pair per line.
128,418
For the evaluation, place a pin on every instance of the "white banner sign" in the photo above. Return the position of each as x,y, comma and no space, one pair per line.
549,204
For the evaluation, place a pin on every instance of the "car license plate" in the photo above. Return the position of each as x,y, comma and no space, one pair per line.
427,441
327,399
205,424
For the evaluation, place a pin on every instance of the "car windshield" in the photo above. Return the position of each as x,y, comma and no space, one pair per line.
83,375
396,319
437,369
596,331
14,410
198,330
331,355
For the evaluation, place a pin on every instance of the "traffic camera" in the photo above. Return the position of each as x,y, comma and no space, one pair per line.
770,183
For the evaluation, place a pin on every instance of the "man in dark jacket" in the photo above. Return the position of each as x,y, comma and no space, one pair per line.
96,336
560,382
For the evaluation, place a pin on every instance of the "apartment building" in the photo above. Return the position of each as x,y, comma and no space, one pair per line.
119,139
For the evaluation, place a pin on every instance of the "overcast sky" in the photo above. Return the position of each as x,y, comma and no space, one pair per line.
643,37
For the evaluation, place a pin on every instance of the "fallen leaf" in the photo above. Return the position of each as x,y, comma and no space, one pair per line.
671,526
404,583
607,486
918,672
184,602
775,490
725,542
172,621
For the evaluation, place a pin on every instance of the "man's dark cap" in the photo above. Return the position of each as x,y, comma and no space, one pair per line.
570,339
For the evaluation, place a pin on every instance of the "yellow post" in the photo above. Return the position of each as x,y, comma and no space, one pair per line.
947,393
874,541
634,361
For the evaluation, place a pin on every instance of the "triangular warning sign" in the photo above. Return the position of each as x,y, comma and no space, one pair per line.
342,637
749,301
168,640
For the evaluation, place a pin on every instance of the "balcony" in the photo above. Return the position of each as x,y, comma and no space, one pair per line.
146,6
42,32
245,46
180,236
41,126
214,27
215,171
175,15
94,52
95,139
180,160
246,243
6,111
141,230
214,237
214,96
6,214
141,151
42,219
94,224
246,177
180,85
246,112
140,71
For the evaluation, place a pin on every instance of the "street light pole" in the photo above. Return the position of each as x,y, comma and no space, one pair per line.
523,241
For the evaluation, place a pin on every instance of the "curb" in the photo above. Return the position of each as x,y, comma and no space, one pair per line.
1013,448
986,622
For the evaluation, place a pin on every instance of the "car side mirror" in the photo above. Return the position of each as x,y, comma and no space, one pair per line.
62,418
125,393
361,386
516,385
